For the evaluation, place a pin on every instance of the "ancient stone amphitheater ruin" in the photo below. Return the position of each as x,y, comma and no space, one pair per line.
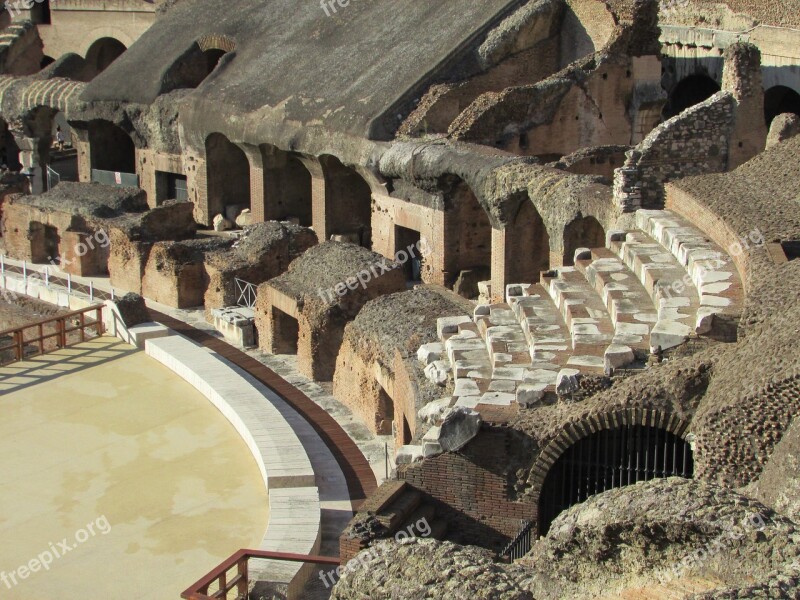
544,250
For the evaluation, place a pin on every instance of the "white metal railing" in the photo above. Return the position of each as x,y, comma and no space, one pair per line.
245,293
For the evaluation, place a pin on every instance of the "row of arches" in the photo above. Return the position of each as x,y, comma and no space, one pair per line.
699,87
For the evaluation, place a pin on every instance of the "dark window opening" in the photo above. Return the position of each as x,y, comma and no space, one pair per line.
285,333
779,100
408,241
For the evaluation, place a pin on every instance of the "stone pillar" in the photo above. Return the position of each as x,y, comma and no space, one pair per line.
257,191
500,261
319,191
34,164
743,78
80,137
146,170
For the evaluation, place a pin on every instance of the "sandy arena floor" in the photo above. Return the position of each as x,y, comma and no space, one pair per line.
101,434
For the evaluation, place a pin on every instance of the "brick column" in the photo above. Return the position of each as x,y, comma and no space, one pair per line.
146,170
257,193
319,193
499,265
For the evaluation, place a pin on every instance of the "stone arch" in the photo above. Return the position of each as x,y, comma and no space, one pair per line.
689,91
228,176
574,432
348,202
582,232
99,33
780,99
527,245
214,41
467,240
102,53
111,147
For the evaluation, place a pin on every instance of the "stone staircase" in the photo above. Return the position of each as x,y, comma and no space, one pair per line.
650,289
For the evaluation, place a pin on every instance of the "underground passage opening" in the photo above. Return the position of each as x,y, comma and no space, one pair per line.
385,416
287,187
285,332
690,91
348,202
779,100
610,459
408,241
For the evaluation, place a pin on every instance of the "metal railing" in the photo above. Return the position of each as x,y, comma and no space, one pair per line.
57,329
48,280
246,293
521,544
53,178
240,581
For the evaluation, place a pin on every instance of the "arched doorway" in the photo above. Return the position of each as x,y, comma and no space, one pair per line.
287,187
102,53
9,150
527,245
583,232
609,459
348,202
778,100
690,91
468,241
228,172
112,149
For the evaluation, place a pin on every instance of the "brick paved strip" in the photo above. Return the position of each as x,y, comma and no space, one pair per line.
357,471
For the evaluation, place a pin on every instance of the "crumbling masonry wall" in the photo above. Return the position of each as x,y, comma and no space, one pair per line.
693,143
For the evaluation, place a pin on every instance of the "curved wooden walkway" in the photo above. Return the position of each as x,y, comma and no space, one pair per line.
357,471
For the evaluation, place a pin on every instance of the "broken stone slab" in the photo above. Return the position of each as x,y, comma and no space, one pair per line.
704,322
617,356
568,381
498,398
668,334
430,442
245,218
437,372
583,254
432,412
408,454
468,402
482,310
503,385
458,427
530,395
445,325
429,353
466,387
221,223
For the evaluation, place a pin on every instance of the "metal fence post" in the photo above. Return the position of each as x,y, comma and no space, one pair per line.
2,264
91,291
25,272
46,277
69,284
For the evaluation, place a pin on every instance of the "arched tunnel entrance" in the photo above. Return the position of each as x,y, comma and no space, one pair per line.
690,91
609,459
778,100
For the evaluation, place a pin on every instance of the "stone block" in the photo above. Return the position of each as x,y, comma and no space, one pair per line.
449,325
530,395
459,426
408,454
617,356
568,381
437,372
432,412
429,353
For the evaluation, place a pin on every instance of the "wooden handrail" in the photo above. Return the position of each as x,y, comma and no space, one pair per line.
199,590
49,320
19,342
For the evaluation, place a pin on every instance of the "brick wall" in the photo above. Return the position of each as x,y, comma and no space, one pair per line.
470,490
693,143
